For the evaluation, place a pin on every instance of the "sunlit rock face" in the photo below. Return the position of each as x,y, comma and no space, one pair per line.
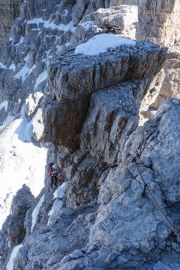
121,19
167,84
158,22
156,19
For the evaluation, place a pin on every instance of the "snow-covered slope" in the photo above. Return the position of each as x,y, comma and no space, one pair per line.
21,162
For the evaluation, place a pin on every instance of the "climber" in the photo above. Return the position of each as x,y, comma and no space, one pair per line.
56,174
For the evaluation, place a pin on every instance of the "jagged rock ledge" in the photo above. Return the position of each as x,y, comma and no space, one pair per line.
73,77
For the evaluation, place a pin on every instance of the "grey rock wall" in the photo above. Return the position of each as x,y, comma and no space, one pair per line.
112,117
72,94
120,227
9,11
167,84
13,230
120,19
156,19
155,23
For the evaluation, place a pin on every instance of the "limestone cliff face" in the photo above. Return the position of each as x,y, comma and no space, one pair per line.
156,19
149,20
85,109
72,94
9,11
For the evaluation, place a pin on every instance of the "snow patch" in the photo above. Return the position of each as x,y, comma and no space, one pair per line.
12,66
60,191
4,105
24,130
87,25
58,203
100,44
10,264
2,66
53,213
21,162
62,27
36,212
41,78
36,21
52,25
22,73
32,102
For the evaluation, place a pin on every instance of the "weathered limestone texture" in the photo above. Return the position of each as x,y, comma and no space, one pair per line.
121,19
162,133
158,20
72,94
124,230
13,230
155,21
167,84
9,11
112,117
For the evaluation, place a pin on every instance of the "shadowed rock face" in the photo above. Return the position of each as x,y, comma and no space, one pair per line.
74,77
21,203
13,230
9,11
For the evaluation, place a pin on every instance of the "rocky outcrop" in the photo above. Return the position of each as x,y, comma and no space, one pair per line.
42,33
13,230
155,24
72,94
125,229
122,19
112,117
164,130
9,11
156,19
167,84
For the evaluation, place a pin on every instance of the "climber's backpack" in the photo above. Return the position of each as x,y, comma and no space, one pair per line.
51,164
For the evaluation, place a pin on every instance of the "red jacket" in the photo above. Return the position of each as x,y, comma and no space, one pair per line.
55,172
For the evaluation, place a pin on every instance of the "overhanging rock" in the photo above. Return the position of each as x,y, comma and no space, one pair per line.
74,77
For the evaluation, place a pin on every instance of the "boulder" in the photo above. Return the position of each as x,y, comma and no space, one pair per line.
121,19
